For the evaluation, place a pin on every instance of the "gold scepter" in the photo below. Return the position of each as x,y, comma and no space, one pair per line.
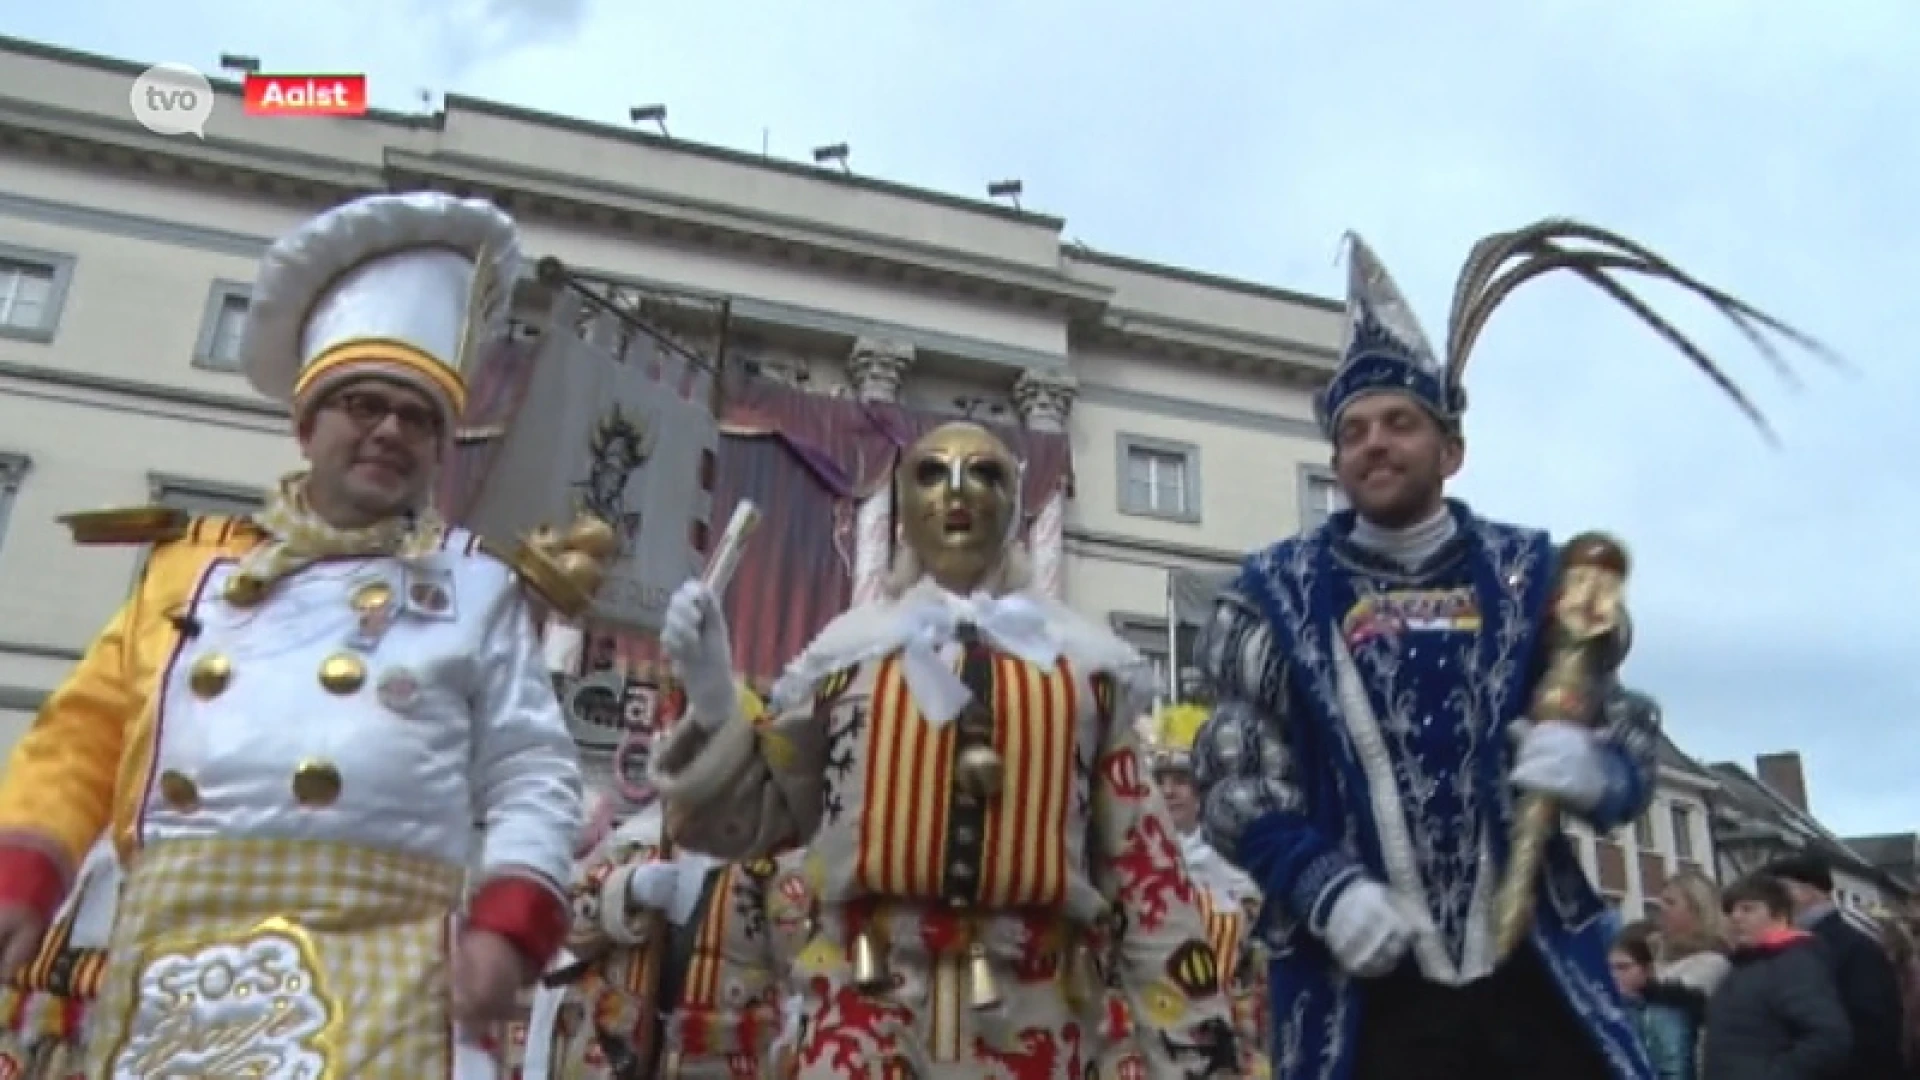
1588,617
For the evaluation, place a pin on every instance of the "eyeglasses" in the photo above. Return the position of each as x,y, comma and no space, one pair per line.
367,411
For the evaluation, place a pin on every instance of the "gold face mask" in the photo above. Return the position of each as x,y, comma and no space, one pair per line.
957,502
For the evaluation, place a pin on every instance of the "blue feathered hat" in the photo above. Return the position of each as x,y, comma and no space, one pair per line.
1385,349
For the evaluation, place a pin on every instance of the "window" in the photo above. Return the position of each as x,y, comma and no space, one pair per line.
33,290
198,497
203,496
1682,820
219,346
13,473
1149,636
1159,478
1643,831
1320,496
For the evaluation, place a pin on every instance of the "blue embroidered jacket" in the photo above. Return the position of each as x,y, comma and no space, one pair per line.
1363,730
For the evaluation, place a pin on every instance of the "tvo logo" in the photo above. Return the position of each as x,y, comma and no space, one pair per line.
172,99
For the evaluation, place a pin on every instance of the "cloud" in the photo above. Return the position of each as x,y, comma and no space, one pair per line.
1769,149
469,34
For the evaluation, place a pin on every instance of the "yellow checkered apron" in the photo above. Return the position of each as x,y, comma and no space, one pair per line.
282,959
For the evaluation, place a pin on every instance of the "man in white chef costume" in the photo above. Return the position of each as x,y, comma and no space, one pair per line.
292,725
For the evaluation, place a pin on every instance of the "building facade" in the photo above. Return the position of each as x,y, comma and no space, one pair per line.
1630,865
1765,815
126,259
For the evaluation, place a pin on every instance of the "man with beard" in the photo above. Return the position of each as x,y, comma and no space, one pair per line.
291,727
1360,763
959,760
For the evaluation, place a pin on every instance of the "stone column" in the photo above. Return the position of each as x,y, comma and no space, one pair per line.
1045,400
875,370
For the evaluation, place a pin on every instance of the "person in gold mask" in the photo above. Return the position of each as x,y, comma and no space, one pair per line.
960,762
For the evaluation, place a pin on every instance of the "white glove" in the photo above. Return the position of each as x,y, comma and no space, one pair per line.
652,885
1369,929
1561,761
694,635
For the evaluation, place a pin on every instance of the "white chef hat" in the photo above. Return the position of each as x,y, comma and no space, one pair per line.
402,286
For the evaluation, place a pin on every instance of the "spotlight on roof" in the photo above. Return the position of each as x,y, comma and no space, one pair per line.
239,64
835,153
649,114
1006,189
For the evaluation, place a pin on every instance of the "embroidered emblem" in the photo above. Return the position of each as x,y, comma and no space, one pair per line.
834,685
253,1007
399,690
1402,611
430,593
1193,969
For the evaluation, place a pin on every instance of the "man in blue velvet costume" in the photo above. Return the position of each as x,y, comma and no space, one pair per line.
1365,757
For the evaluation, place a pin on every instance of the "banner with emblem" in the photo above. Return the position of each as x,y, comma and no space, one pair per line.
617,422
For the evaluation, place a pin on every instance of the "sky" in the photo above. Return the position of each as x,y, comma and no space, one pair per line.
1773,149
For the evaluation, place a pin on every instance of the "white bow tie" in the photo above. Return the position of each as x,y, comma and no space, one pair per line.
1013,624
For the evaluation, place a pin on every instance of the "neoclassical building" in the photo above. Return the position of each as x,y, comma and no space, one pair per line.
1174,405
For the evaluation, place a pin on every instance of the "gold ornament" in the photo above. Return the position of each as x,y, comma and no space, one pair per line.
592,537
316,783
980,772
210,675
869,968
244,590
982,992
179,791
371,597
342,673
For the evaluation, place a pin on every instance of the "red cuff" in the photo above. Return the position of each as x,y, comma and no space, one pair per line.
525,912
32,879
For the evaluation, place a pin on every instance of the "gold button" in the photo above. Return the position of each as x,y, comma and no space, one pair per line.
316,783
371,597
342,673
179,791
210,675
244,590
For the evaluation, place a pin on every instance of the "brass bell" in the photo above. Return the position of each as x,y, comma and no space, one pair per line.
980,771
982,992
592,537
209,675
869,969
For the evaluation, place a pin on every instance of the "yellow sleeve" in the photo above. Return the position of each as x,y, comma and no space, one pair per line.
79,768
58,792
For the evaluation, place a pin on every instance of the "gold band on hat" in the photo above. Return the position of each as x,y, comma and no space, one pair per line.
388,353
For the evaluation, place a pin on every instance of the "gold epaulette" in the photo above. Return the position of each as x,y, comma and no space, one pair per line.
564,569
154,525
539,573
133,525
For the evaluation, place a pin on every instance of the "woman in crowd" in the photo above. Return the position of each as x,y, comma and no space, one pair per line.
1693,933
